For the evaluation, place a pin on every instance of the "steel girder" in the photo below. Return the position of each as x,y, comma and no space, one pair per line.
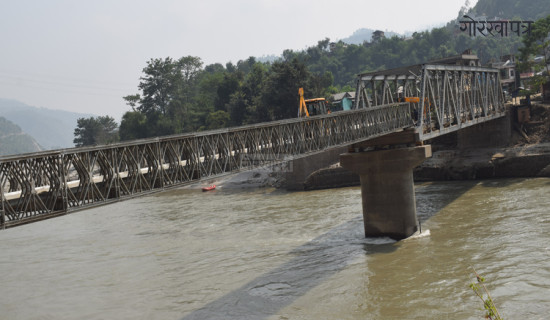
45,184
449,97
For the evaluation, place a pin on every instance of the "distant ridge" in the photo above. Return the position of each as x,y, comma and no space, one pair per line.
365,34
14,141
52,129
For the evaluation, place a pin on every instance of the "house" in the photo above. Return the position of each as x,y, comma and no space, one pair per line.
377,36
342,101
507,69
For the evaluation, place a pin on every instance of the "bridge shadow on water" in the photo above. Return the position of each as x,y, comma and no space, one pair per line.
432,197
317,260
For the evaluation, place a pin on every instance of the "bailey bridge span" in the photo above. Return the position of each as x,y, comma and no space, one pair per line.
446,98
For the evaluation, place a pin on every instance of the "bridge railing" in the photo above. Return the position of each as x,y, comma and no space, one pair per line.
46,184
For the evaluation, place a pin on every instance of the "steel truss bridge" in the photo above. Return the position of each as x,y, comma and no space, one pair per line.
47,184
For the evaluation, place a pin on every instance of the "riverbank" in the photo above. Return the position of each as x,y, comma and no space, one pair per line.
512,162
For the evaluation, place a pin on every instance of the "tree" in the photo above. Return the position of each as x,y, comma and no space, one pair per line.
319,84
230,84
133,126
253,88
217,119
167,100
158,86
237,108
281,89
188,68
94,131
537,44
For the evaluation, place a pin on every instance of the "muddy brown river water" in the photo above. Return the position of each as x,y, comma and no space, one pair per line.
269,254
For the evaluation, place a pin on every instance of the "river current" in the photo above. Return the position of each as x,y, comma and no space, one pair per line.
270,254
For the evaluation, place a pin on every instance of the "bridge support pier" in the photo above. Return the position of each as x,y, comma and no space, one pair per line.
387,189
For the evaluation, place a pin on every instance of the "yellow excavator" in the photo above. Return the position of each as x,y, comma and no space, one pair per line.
311,107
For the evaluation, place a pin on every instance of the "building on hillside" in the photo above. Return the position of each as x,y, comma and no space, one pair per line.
377,36
342,101
467,58
333,45
507,69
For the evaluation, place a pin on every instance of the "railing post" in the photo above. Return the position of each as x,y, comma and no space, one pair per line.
160,165
64,190
2,212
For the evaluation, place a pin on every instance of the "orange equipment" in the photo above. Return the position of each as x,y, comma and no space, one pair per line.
302,111
311,107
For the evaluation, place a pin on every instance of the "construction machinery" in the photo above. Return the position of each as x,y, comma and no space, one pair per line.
311,107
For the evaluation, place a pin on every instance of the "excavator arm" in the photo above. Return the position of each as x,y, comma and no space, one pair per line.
302,111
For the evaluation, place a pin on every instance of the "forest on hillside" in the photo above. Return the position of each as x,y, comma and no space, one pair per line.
177,95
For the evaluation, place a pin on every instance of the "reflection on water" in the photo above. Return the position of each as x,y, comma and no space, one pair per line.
267,254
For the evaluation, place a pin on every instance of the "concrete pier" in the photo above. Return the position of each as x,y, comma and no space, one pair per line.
387,189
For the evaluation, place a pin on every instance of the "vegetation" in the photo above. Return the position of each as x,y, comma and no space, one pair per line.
482,293
181,95
511,9
537,44
91,131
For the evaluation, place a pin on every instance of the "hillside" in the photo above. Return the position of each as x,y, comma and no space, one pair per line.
52,129
511,9
15,141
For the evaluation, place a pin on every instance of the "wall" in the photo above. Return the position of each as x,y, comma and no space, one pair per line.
494,133
301,168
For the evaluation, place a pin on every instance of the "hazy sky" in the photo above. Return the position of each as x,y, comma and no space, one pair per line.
84,56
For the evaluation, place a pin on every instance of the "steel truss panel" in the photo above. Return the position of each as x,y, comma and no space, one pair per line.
47,184
449,97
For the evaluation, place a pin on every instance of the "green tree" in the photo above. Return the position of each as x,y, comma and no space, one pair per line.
281,89
537,44
319,84
237,108
158,86
217,119
133,126
167,100
230,84
253,88
94,131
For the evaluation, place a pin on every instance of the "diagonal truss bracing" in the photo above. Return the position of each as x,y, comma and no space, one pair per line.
41,185
444,98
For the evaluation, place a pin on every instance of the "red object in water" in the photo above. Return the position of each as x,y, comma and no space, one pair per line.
212,187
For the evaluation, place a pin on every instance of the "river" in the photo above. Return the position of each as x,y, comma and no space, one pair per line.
270,254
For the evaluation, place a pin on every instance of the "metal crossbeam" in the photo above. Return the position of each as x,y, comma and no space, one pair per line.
46,184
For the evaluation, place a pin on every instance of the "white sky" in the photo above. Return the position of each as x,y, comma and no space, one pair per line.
85,55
